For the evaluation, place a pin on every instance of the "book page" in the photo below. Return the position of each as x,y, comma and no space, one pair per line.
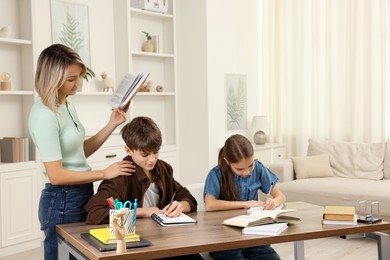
273,213
121,89
127,89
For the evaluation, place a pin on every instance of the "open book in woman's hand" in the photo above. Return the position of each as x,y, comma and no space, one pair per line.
127,89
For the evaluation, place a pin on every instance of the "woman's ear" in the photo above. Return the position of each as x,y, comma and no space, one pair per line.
128,151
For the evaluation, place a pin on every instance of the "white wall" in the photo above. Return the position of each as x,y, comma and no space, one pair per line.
101,47
222,36
214,38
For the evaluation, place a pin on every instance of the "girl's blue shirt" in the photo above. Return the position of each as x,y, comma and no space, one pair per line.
260,178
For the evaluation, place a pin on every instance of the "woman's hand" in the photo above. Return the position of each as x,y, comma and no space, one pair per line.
118,117
122,168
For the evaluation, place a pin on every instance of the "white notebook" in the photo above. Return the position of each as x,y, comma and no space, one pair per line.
265,230
164,221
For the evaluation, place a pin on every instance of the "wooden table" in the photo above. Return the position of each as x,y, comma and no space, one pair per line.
210,235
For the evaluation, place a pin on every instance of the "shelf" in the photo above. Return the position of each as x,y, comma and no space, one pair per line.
153,54
7,167
15,41
136,11
93,93
98,94
155,94
16,93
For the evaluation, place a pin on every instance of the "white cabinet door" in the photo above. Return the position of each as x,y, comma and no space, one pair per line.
270,153
19,206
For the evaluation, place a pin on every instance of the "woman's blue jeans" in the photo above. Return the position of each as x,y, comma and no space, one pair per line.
61,205
253,253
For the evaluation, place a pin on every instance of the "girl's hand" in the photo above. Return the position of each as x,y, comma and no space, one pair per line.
253,203
269,204
122,168
173,209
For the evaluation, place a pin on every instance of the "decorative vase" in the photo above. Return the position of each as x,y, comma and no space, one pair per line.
260,137
148,46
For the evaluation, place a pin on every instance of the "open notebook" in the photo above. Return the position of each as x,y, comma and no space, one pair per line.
165,221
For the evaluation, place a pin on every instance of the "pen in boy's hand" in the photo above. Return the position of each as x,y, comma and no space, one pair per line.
173,197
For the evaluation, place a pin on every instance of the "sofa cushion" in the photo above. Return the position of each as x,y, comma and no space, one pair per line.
312,166
352,160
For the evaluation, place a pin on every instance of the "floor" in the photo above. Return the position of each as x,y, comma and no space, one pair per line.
318,249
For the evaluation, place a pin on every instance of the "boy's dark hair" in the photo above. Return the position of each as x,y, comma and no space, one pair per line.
143,134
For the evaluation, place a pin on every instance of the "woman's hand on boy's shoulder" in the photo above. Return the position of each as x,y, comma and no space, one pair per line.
122,168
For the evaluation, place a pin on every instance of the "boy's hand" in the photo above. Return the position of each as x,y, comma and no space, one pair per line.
173,209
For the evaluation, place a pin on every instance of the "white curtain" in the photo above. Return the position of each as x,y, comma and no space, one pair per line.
324,71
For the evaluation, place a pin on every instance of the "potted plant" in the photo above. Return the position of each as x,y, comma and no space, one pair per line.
148,45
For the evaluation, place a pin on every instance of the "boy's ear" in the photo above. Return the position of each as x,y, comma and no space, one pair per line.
128,150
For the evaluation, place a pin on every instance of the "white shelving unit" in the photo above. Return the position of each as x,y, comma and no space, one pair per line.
19,182
129,25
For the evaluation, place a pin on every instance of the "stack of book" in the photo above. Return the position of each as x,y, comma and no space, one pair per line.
339,215
14,149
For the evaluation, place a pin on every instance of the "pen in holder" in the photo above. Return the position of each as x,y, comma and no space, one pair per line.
369,216
129,220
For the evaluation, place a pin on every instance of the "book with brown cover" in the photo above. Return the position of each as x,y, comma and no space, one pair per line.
346,213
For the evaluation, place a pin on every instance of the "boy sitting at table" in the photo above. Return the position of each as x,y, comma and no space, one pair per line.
152,184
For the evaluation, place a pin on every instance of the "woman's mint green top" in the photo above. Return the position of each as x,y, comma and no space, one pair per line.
58,136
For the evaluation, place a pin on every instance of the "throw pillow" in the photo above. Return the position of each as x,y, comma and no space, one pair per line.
312,166
352,160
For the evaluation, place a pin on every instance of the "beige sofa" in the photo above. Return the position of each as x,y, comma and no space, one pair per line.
338,173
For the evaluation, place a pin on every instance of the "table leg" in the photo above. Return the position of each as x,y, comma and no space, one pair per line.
383,240
299,250
67,251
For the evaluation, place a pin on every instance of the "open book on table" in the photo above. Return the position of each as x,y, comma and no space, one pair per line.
127,89
165,221
262,217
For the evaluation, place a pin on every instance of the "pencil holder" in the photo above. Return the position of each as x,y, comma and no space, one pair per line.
129,220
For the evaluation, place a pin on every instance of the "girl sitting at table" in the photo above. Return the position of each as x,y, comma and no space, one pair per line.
234,184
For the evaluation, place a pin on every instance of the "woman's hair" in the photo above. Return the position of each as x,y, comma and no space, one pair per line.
236,148
52,68
143,134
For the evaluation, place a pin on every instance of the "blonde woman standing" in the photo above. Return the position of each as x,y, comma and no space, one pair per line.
60,139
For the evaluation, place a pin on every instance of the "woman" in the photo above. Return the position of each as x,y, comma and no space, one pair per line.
60,139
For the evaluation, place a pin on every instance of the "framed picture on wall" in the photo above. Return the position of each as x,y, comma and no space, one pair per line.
70,26
235,102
